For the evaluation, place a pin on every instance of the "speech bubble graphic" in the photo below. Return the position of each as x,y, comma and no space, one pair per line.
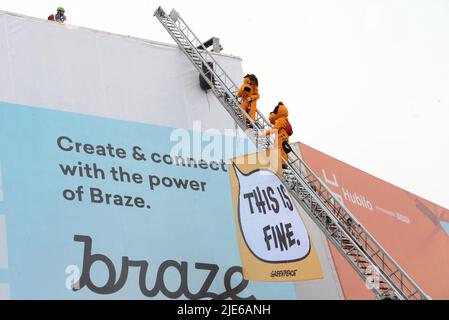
269,222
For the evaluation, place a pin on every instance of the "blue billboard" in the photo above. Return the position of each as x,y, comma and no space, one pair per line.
98,208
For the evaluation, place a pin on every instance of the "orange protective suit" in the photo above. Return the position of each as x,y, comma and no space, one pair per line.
278,118
249,92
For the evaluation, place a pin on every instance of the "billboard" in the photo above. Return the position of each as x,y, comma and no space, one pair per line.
102,208
109,184
411,229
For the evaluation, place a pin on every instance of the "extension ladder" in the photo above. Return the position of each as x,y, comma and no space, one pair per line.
366,256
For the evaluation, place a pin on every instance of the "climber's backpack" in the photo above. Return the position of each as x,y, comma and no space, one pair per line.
289,129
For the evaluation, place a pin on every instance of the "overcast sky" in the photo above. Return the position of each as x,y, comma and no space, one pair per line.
366,81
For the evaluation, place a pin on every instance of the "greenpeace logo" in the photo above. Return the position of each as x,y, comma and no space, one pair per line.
284,273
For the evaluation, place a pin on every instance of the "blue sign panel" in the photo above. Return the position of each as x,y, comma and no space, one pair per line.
96,208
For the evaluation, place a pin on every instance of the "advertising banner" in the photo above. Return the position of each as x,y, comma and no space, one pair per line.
410,228
273,241
97,208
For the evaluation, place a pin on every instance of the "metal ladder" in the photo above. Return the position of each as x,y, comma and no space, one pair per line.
373,264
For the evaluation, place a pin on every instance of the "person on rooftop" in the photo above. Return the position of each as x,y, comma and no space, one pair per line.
59,17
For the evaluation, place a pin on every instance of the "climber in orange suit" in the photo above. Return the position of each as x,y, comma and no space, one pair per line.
249,93
281,128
